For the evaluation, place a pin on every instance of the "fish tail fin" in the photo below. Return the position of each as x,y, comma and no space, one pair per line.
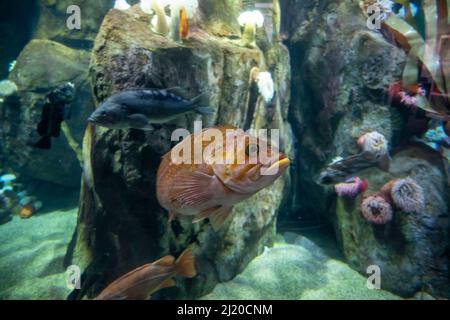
199,101
45,143
185,264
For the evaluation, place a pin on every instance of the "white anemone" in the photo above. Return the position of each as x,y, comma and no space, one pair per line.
266,86
121,5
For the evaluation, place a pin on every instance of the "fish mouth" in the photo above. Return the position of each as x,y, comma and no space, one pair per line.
282,163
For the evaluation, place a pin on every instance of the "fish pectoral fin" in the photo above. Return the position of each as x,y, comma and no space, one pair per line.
216,216
166,261
219,217
139,121
193,189
167,283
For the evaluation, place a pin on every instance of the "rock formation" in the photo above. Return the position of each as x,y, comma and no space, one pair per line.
341,75
120,215
41,67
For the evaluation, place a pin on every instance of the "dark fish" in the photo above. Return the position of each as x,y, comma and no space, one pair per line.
139,108
55,110
341,170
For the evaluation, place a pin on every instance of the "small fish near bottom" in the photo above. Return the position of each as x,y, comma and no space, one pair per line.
142,282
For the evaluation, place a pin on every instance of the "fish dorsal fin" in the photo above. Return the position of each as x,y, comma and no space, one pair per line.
178,91
166,261
132,272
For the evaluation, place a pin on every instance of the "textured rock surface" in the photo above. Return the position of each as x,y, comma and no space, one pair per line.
297,272
219,17
41,67
53,16
341,73
124,219
32,253
412,250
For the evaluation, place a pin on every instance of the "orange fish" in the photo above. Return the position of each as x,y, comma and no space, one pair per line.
184,24
27,211
142,282
211,188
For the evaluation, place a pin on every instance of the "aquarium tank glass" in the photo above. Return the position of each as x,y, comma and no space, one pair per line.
224,150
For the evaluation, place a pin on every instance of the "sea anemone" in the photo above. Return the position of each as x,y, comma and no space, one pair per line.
8,178
385,7
12,65
351,188
406,195
146,6
191,6
408,97
250,20
374,143
266,86
376,209
7,88
121,5
160,21
7,181
276,21
184,24
437,135
181,11
175,22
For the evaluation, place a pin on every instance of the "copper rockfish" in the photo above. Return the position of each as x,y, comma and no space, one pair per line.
142,282
211,189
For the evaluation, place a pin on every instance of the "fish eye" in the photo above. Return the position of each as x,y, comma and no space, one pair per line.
252,149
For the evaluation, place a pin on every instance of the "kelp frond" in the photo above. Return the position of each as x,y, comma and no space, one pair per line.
426,49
